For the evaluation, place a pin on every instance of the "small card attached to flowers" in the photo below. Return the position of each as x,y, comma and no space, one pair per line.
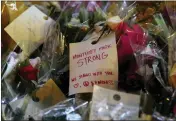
48,95
93,64
113,105
29,29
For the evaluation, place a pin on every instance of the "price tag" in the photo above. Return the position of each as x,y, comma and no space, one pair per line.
93,64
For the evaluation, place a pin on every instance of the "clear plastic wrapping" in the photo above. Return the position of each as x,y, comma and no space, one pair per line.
117,112
151,61
170,8
113,105
53,48
31,103
15,109
35,56
66,110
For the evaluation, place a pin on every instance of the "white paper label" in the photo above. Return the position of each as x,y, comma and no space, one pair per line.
29,29
93,64
108,103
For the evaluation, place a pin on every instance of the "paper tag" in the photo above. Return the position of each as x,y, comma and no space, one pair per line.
93,64
49,95
115,102
29,29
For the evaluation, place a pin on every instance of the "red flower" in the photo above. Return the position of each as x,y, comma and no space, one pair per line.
28,72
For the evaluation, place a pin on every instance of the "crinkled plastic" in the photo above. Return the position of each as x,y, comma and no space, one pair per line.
119,112
52,49
77,18
7,44
145,49
31,103
127,10
78,26
74,20
151,60
66,110
158,117
27,46
18,76
113,105
162,25
15,111
170,8
172,59
153,17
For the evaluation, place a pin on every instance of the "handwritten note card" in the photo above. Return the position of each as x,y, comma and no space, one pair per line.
29,29
93,64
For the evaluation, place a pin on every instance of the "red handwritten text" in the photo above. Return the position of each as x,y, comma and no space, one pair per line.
76,85
84,75
76,56
105,47
108,73
86,83
97,73
108,82
73,79
91,59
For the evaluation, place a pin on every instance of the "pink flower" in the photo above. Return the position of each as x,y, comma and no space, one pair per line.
129,39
